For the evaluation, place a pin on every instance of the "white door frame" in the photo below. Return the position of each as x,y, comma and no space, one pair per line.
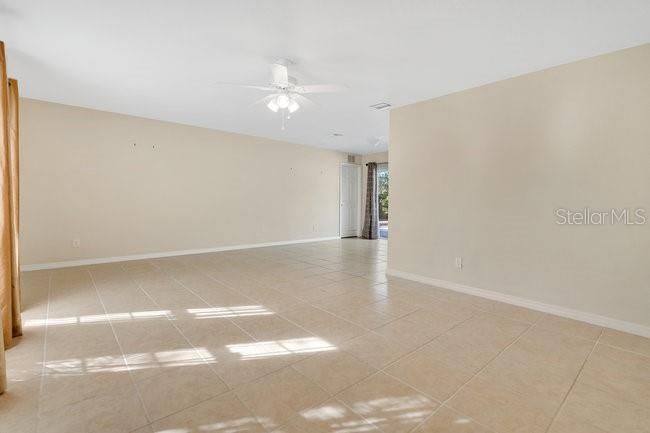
358,197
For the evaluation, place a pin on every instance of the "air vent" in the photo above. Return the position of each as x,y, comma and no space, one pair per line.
381,106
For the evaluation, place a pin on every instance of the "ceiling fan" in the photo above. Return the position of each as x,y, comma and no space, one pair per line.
287,96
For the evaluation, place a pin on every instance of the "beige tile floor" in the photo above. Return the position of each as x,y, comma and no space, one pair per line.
306,338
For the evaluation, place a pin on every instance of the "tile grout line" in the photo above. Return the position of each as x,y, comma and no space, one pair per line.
443,403
44,358
212,305
379,370
229,286
229,389
490,430
382,370
401,358
246,296
622,349
110,323
251,336
243,330
316,307
479,310
308,303
575,380
139,286
531,326
309,332
290,365
146,293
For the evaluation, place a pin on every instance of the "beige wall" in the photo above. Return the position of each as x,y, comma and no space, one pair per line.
479,174
178,188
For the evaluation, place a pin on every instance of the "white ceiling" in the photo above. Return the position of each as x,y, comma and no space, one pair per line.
161,59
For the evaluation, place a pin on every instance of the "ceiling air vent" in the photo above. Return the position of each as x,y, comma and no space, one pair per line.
381,106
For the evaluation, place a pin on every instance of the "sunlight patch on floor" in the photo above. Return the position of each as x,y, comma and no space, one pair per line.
225,312
97,318
291,346
337,418
134,361
391,404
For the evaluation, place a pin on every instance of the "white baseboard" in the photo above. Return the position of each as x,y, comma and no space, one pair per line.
594,319
82,262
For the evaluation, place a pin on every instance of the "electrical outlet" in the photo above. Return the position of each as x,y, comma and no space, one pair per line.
76,243
459,262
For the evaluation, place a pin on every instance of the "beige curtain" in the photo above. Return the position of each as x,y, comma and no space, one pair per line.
3,366
10,321
14,202
5,239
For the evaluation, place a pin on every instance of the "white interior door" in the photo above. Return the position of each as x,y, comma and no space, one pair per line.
350,198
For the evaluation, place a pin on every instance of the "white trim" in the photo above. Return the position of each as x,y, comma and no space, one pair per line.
595,319
82,262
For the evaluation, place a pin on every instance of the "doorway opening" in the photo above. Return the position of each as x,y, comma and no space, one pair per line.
382,198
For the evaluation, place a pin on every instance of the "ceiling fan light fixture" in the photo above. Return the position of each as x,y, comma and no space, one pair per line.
286,96
273,106
283,101
293,106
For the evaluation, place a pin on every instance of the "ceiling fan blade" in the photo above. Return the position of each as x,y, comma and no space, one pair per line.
376,141
247,86
302,100
320,88
265,100
280,74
